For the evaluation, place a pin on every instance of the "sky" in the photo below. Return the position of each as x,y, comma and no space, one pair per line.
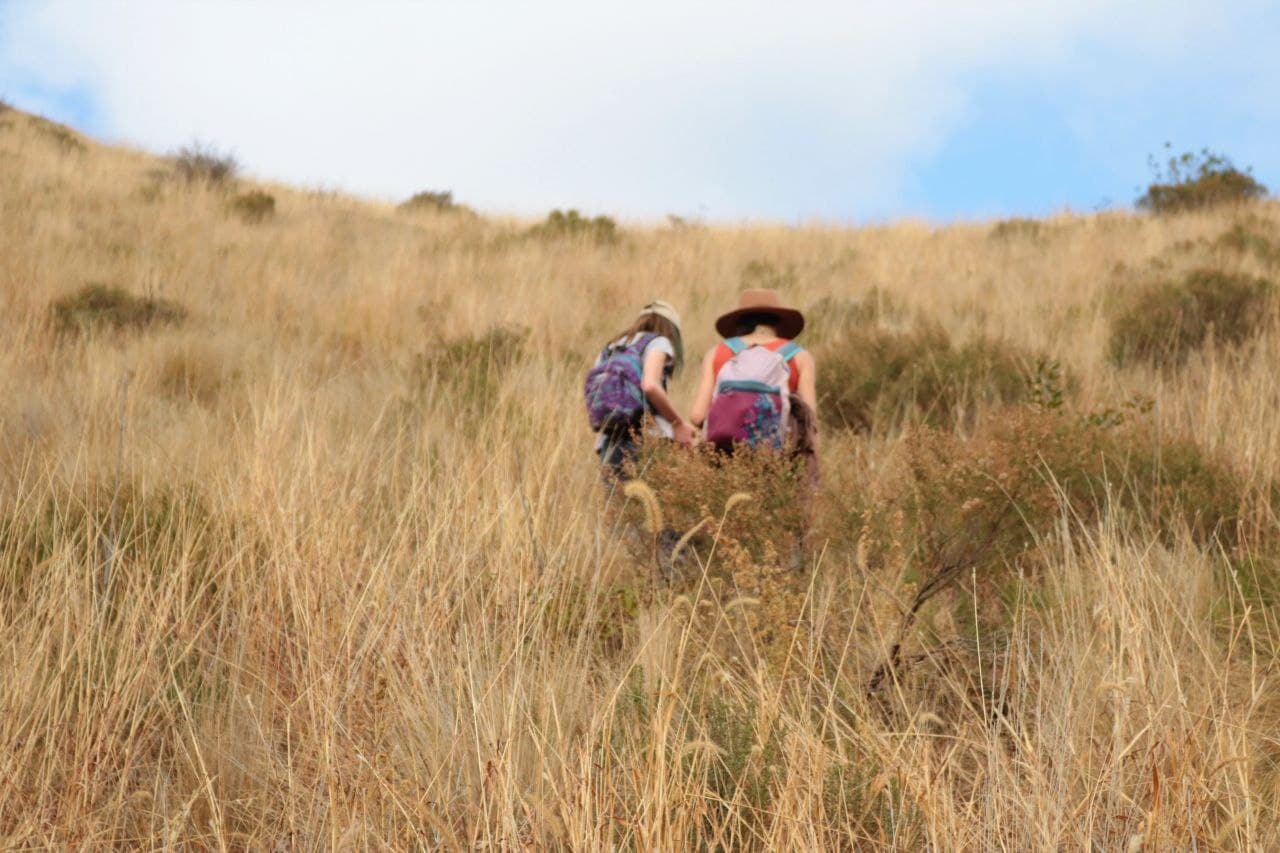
725,110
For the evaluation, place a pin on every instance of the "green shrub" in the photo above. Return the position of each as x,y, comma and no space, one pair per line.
748,762
99,307
1163,322
1018,228
431,201
573,225
198,163
1193,181
874,379
470,368
254,207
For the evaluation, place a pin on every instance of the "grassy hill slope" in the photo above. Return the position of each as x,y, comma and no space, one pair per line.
311,551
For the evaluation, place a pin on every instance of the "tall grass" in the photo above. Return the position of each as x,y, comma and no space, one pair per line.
353,606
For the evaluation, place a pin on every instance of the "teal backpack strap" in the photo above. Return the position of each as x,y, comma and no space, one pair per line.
790,350
735,345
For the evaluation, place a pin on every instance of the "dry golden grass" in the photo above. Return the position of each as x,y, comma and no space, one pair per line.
267,583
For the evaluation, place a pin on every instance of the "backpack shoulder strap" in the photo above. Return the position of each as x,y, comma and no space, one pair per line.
735,345
789,350
643,341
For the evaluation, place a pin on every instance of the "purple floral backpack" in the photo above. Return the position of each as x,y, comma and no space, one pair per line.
615,401
752,402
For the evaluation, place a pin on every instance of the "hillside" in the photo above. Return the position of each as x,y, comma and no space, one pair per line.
310,550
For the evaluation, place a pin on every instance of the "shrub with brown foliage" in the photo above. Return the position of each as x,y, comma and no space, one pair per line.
1194,181
1163,322
100,307
756,499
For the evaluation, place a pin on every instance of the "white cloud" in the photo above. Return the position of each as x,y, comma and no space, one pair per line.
727,109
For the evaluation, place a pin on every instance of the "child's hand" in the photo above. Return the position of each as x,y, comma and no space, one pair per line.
685,434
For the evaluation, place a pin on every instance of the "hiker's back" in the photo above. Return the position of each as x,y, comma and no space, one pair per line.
751,402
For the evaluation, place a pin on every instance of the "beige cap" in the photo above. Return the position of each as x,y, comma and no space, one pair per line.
663,309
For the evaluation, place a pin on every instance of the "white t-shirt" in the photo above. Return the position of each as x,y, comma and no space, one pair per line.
661,427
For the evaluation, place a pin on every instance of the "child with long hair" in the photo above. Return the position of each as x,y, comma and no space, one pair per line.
647,353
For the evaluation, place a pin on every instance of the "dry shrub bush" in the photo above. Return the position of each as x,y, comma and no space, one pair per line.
100,307
469,369
571,225
744,522
199,163
254,207
1195,181
875,379
1163,322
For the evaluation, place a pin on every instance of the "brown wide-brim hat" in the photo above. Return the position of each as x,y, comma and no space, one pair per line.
790,321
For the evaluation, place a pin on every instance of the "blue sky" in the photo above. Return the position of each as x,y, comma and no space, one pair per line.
719,110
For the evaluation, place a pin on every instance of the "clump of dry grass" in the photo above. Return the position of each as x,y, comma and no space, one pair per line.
341,615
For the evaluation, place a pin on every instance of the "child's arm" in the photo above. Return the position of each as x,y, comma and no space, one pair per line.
808,386
706,385
807,390
651,384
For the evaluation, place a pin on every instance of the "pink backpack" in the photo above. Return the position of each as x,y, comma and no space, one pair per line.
752,400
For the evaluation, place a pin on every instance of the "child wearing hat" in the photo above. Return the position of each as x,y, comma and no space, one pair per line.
655,339
761,320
